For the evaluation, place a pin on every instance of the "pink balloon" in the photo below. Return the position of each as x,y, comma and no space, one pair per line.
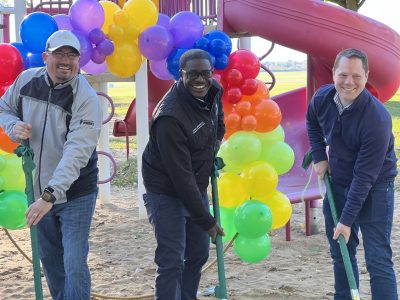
94,69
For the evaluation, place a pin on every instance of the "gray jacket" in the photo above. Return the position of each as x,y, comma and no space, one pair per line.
66,121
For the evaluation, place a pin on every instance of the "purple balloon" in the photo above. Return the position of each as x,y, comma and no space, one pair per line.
163,20
63,22
159,69
96,36
94,69
86,47
156,42
106,47
86,15
97,57
186,28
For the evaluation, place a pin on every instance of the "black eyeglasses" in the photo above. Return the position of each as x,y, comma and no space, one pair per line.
61,55
206,74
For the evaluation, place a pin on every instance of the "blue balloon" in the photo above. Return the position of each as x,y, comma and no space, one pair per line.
35,29
24,53
218,34
173,61
35,60
217,47
202,43
221,62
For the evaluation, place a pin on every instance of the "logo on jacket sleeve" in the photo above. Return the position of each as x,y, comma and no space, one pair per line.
198,127
86,122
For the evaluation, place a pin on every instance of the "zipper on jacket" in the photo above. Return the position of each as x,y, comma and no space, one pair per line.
42,140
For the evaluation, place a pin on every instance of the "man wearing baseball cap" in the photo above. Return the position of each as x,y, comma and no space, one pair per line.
58,113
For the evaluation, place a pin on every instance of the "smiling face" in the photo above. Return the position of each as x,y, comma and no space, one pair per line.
197,77
62,64
350,78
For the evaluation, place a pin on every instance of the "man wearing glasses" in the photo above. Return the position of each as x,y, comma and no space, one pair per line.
185,131
56,111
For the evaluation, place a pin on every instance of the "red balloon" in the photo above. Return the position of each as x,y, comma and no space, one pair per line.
249,123
233,95
6,144
3,89
249,86
246,62
234,77
243,108
11,64
268,115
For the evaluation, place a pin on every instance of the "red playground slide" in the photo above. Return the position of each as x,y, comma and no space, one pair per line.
320,30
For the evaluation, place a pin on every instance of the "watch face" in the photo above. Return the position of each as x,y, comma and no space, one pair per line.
46,196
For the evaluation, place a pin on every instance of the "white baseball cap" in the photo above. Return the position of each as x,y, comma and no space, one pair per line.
62,38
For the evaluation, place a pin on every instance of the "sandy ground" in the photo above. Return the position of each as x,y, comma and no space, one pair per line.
121,259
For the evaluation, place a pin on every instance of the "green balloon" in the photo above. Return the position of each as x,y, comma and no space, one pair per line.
243,147
2,162
276,135
252,250
12,173
279,155
230,166
13,206
227,216
253,219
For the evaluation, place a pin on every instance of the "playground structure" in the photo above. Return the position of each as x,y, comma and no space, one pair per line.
299,23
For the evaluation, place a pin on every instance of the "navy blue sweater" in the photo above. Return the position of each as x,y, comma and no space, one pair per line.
361,144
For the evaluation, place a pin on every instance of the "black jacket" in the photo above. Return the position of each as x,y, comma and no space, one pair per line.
179,156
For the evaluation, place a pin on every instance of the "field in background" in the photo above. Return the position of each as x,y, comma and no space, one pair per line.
124,92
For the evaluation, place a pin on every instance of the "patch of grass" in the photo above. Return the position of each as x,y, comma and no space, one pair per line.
126,173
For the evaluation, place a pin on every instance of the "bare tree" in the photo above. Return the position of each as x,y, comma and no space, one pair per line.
349,4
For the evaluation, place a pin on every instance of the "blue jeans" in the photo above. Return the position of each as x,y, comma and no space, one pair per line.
182,247
63,235
375,220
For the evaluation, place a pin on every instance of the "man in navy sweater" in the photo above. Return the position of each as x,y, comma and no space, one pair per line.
361,161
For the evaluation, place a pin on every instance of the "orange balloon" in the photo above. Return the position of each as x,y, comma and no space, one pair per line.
228,107
232,121
243,108
268,115
228,133
249,123
262,92
6,143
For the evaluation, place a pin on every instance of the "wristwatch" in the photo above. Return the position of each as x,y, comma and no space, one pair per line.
47,195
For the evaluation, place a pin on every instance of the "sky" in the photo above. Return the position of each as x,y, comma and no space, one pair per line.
384,11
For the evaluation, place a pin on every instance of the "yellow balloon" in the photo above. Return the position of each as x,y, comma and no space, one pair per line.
109,9
125,60
280,207
260,178
121,3
142,13
131,32
231,190
156,4
121,18
116,33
